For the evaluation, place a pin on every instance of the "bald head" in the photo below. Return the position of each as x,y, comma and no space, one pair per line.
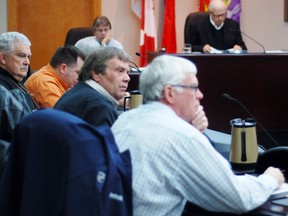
217,9
217,5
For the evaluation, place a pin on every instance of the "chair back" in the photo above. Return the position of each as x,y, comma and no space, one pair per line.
78,33
276,157
192,19
60,165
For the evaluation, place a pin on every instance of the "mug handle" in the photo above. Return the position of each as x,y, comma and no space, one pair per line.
125,99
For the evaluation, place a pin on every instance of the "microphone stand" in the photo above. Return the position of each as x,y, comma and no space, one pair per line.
236,30
227,96
135,66
138,54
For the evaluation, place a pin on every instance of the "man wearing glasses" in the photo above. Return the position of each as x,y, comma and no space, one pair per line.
216,32
173,161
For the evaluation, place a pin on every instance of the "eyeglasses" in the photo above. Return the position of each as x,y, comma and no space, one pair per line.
195,88
219,15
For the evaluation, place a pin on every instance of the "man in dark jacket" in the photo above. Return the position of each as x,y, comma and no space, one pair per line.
15,56
103,81
216,32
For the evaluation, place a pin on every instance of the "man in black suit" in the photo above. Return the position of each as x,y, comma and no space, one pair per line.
215,31
103,81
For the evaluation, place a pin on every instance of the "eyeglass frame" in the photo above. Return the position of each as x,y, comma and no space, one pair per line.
220,15
196,88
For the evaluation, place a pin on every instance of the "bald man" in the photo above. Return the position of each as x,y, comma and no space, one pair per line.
216,31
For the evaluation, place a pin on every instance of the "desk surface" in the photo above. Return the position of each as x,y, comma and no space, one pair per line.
222,145
267,209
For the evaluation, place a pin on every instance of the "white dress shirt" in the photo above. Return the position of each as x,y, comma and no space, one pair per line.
173,162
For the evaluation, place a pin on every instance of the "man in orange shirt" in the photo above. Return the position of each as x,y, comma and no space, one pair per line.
49,83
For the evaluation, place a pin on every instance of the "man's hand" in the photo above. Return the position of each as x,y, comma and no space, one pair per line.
200,121
237,47
207,48
275,173
106,40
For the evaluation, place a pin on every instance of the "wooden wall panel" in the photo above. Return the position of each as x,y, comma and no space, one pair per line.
46,23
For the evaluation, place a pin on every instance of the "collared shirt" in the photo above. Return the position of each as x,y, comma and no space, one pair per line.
215,26
174,162
89,44
46,86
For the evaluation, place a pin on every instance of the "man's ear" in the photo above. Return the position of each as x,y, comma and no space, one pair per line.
96,76
3,57
62,68
169,94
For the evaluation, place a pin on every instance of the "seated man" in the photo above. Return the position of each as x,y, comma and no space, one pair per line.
173,162
103,81
49,83
16,101
102,37
216,31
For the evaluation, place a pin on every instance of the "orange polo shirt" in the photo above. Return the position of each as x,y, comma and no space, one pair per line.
46,87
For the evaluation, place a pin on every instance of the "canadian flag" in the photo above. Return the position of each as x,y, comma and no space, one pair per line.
148,27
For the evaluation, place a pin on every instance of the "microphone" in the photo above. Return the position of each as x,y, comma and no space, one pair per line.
138,54
135,66
237,30
227,96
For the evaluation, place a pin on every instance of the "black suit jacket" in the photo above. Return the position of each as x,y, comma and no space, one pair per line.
88,104
202,32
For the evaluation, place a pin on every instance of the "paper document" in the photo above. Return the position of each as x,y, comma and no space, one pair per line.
232,51
282,189
276,51
215,51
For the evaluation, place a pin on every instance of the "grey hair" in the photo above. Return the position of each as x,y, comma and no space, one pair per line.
164,70
101,20
97,61
216,4
9,39
87,47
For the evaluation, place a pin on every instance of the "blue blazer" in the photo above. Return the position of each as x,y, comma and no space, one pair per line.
60,165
